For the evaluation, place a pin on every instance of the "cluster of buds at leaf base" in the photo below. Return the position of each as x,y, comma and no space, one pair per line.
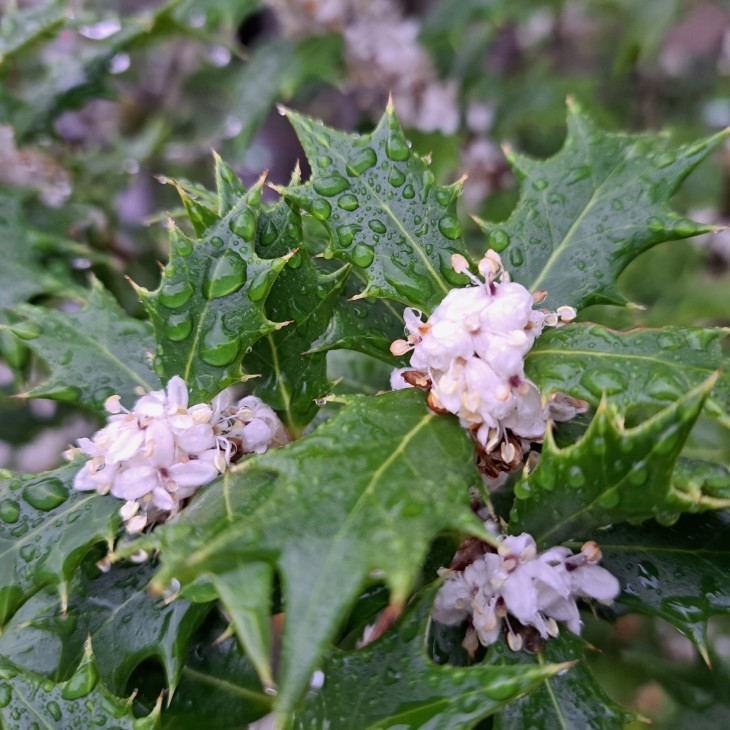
158,454
470,355
519,591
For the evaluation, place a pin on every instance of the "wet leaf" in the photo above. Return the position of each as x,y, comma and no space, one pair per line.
92,353
364,325
572,699
366,491
291,376
209,307
612,474
23,274
383,210
393,684
20,28
126,624
46,529
679,573
641,367
587,212
29,701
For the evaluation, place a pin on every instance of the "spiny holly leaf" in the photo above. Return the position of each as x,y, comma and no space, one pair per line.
573,699
365,325
19,28
587,212
641,367
46,529
92,353
290,379
364,494
209,307
383,210
218,682
29,701
680,573
695,477
22,274
127,625
393,684
610,475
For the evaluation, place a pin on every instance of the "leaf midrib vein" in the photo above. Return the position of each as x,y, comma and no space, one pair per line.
558,251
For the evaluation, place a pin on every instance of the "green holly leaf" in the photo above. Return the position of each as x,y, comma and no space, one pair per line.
587,212
127,625
384,212
92,353
364,325
612,474
209,307
23,274
364,494
46,529
291,378
218,681
392,683
29,701
641,367
679,573
572,699
20,28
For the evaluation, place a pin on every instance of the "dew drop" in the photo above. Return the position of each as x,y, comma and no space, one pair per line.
377,226
81,684
346,234
498,240
226,274
216,242
244,225
268,233
28,552
664,159
175,294
362,255
348,202
54,711
397,148
9,511
362,161
408,192
450,227
395,177
320,209
46,494
540,184
218,348
178,326
655,224
259,286
6,693
685,227
515,256
501,690
324,160
602,380
26,330
576,478
331,185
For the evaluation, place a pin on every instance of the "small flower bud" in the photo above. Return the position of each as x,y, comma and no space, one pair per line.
400,347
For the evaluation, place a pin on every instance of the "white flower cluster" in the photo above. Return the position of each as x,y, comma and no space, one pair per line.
518,583
156,455
472,350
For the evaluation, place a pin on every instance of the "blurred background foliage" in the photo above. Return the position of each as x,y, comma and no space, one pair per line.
101,103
